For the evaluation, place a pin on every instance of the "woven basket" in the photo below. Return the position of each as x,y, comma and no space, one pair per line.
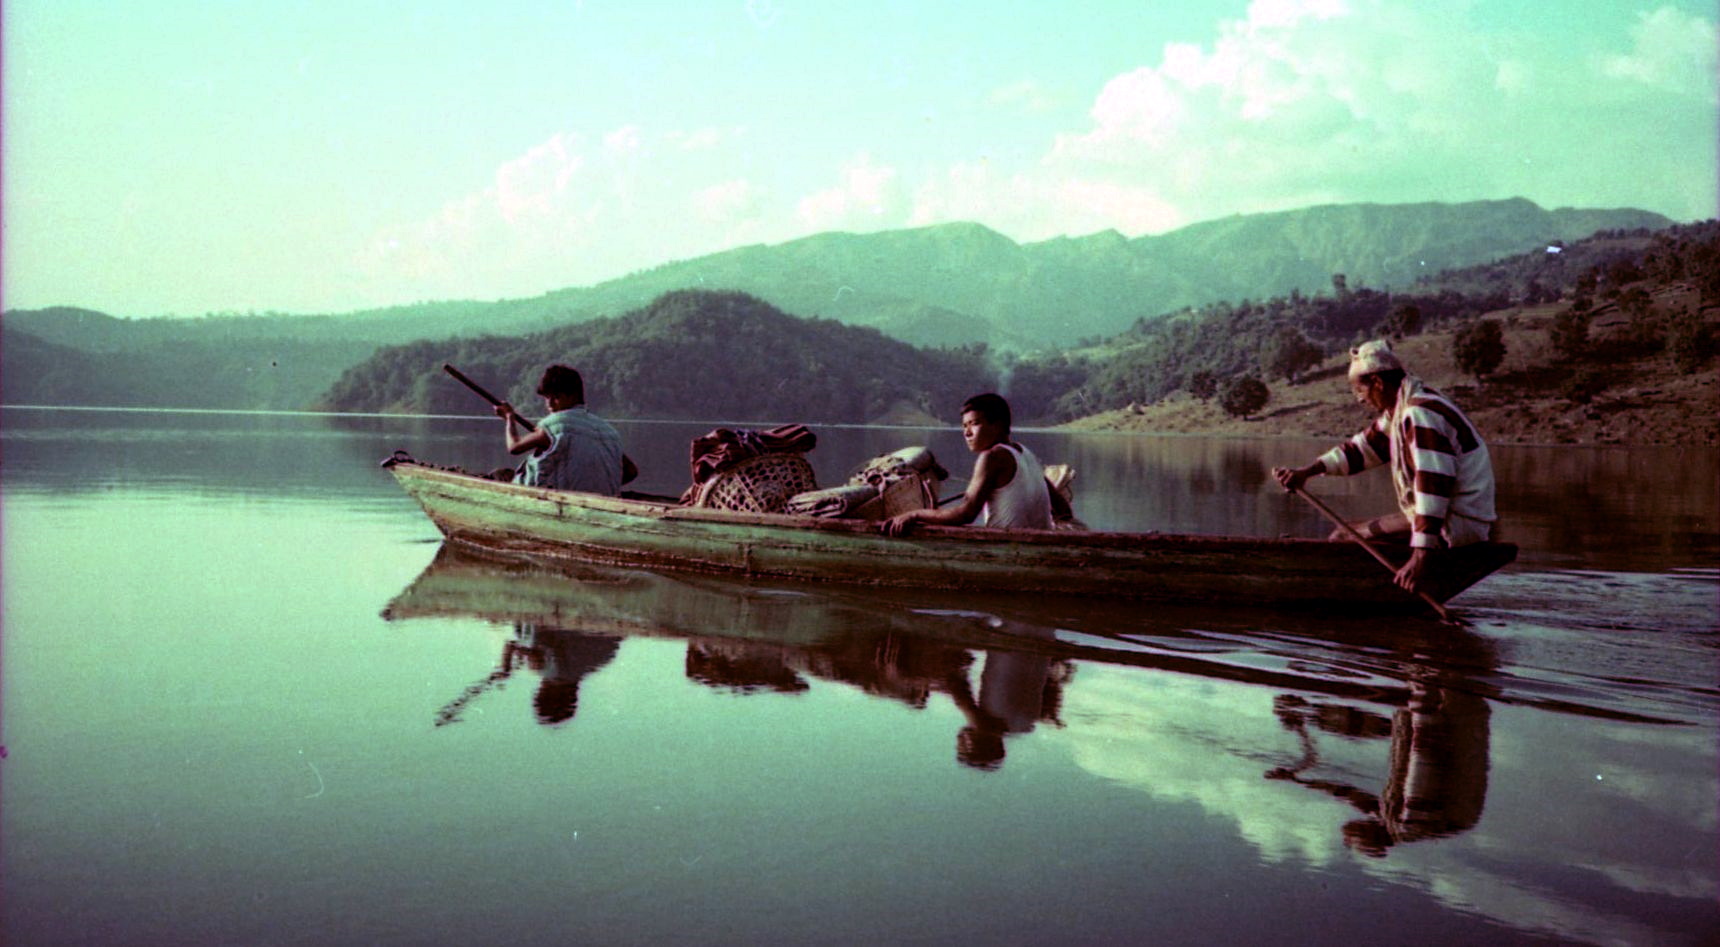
912,492
759,484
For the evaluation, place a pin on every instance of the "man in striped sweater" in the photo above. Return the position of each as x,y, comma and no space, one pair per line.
1439,463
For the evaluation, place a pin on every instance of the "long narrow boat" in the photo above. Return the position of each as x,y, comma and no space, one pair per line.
535,524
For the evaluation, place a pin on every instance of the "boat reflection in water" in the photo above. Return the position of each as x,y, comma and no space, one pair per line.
1407,751
747,639
1006,670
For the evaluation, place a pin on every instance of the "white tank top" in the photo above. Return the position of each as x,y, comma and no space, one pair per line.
1024,502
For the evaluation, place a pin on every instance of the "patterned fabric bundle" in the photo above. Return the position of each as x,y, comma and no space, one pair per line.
723,448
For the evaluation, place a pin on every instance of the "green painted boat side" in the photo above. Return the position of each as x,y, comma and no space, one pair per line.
546,525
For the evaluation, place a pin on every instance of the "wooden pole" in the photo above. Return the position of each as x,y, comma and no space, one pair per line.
1358,537
492,399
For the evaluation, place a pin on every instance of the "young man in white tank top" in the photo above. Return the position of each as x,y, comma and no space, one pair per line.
1008,487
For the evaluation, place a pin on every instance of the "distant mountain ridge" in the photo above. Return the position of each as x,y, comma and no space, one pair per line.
954,284
942,286
960,283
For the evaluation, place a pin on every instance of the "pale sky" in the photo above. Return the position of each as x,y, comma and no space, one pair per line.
185,156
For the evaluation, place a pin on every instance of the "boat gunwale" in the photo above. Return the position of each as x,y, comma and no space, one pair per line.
801,523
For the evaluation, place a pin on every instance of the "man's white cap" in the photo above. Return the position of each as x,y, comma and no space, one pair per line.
1373,357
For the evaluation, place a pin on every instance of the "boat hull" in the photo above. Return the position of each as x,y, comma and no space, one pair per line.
549,526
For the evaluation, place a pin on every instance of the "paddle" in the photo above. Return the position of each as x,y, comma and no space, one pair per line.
492,399
1358,537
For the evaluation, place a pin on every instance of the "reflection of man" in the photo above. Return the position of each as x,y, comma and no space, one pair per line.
1016,691
1437,783
563,658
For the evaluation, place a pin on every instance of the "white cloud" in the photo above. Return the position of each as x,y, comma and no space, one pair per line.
1018,203
728,202
1027,96
1298,102
869,196
549,218
532,184
1674,52
701,139
623,140
1311,101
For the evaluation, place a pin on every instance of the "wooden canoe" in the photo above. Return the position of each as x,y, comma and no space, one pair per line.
535,524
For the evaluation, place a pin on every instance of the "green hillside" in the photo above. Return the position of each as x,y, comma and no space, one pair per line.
688,355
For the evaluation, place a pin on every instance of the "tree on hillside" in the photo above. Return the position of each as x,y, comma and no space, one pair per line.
1647,328
1570,333
1703,263
1622,272
1288,353
1203,385
1534,293
1691,343
1244,395
1405,320
1478,348
1664,265
1033,385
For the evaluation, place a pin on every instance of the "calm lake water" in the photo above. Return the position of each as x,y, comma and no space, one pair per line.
247,701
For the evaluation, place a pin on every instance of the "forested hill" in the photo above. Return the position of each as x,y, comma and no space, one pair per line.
94,359
687,355
725,355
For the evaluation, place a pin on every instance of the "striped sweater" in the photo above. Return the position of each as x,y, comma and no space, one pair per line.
1439,463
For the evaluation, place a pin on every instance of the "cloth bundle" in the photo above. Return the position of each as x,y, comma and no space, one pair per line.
871,493
909,461
723,448
834,501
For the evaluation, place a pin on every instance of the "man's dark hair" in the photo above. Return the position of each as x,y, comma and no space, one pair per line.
562,381
989,406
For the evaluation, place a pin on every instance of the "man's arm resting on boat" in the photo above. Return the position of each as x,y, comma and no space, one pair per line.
992,470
